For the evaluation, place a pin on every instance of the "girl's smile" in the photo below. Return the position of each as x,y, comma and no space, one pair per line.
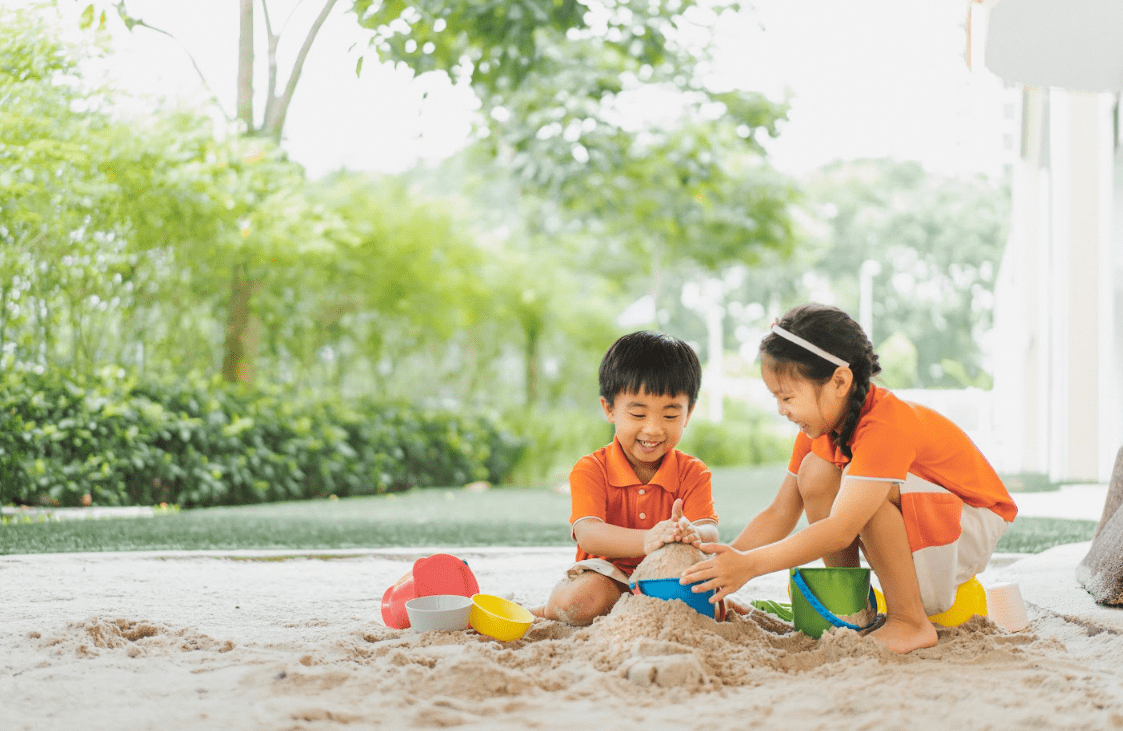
815,409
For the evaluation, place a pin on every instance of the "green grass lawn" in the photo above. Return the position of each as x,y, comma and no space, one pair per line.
422,517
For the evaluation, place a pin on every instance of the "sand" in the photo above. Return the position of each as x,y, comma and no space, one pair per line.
668,562
270,641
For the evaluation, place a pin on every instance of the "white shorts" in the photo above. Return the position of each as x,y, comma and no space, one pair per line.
601,566
942,565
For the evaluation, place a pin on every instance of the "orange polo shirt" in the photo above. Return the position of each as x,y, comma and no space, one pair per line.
895,437
603,485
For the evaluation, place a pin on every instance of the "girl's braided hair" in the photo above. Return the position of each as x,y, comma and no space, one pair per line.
835,332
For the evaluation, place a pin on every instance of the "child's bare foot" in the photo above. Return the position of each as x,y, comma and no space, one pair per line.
900,636
539,611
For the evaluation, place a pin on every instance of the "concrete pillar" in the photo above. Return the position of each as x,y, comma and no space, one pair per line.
1079,283
1022,313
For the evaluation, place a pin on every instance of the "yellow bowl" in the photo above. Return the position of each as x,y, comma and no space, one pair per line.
970,599
495,617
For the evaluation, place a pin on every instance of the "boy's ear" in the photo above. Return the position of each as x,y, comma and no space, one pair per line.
608,412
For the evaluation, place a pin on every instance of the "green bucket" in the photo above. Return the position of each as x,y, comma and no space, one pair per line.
821,596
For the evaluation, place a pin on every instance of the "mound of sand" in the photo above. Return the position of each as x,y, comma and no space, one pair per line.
668,562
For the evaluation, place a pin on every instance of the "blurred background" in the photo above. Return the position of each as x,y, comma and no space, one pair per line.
271,250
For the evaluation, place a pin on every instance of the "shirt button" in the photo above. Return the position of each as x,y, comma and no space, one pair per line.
642,516
641,492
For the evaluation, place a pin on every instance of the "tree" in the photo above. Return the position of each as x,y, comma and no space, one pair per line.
403,281
64,257
99,215
687,187
939,242
496,45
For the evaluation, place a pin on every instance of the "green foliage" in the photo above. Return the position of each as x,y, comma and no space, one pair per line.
898,359
745,437
123,442
939,242
159,246
556,439
687,188
497,44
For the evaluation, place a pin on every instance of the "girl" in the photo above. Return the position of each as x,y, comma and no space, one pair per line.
869,470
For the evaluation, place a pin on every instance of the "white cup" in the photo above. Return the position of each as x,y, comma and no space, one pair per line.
1006,607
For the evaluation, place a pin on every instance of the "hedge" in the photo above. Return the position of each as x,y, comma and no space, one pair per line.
125,442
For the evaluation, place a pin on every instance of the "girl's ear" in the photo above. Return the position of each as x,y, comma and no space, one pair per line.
842,380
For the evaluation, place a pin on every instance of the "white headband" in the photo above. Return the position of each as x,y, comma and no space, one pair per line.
809,346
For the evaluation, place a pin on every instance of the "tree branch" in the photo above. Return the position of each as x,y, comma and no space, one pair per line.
292,12
131,22
245,63
276,122
271,84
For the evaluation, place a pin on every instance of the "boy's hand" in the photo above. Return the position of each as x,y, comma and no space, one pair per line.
677,529
726,571
688,533
659,535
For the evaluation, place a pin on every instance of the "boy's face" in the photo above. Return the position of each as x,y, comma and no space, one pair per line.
647,426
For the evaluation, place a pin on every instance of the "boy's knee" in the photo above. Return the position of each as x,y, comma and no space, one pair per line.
581,600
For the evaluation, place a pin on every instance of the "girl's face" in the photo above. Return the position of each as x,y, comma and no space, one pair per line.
815,409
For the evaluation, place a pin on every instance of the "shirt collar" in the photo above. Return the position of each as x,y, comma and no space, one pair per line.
621,473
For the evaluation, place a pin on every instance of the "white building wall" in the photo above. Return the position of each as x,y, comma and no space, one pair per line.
1057,364
1059,356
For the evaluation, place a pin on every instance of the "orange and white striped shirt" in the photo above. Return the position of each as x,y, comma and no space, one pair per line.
894,438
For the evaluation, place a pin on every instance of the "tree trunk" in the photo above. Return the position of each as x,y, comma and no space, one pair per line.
532,358
243,330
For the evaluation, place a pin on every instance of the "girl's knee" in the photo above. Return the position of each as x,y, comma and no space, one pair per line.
817,477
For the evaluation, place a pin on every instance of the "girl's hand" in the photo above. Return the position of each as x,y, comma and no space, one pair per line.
726,571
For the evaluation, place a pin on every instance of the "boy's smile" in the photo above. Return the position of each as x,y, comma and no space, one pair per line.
648,427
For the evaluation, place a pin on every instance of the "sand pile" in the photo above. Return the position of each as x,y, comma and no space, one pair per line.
642,648
668,562
136,638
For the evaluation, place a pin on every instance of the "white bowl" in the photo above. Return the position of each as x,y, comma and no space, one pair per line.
440,612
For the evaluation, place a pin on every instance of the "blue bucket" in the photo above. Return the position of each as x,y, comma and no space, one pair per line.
671,589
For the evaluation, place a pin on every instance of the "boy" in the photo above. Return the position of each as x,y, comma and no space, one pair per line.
629,496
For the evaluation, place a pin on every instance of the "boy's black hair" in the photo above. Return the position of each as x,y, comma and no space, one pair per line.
659,363
835,332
